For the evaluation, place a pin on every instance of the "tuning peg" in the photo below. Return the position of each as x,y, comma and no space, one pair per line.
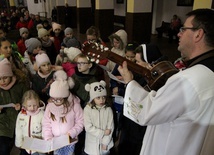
92,60
97,61
98,56
106,49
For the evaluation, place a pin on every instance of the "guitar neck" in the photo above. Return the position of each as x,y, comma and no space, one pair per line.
131,65
155,77
94,50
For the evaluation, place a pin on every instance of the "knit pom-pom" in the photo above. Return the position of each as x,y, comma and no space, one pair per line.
60,75
87,87
71,82
103,83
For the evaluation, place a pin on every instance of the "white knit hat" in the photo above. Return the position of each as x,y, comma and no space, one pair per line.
60,87
5,68
56,26
41,59
42,32
39,26
22,30
72,52
96,89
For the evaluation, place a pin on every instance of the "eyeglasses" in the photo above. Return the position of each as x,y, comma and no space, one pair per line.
182,29
57,100
82,63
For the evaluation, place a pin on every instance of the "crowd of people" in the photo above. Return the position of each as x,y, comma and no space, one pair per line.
50,87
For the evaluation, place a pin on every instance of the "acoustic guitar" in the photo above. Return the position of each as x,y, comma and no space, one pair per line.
155,77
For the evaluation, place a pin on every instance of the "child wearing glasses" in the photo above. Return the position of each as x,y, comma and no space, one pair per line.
29,120
85,72
98,120
63,114
69,59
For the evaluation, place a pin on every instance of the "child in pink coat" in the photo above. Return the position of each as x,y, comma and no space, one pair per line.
63,114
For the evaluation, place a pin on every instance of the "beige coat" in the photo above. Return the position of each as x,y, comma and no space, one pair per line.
96,121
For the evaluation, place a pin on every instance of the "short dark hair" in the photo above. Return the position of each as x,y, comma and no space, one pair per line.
2,39
131,46
93,31
203,18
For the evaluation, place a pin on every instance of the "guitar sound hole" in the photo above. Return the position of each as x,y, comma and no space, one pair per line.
155,73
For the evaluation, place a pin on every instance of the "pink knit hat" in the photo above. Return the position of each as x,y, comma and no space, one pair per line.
42,58
56,26
5,68
60,87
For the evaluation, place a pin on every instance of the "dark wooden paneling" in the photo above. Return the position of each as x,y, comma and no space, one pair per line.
74,17
60,14
138,26
120,19
104,21
212,4
84,19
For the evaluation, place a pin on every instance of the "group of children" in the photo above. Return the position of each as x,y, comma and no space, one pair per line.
62,115
51,103
65,93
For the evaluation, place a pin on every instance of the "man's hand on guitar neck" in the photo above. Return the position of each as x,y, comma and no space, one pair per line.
125,73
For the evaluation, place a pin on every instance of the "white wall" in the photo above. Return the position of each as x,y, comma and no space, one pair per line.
35,8
165,10
120,9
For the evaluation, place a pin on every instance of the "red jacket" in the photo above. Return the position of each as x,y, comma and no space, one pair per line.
21,46
21,24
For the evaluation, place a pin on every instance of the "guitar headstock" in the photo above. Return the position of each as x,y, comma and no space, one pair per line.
95,51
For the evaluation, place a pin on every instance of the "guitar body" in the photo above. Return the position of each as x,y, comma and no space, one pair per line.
160,74
156,77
